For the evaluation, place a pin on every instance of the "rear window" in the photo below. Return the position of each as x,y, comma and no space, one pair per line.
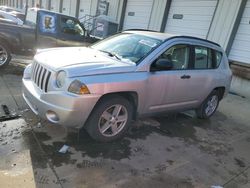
218,57
203,58
206,58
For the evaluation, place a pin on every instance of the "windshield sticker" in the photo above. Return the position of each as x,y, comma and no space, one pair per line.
148,43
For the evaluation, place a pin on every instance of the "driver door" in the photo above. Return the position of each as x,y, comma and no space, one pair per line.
171,89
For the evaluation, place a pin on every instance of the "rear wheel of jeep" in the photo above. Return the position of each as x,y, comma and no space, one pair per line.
209,106
5,56
110,119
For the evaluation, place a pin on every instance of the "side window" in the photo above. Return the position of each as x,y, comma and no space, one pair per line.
71,27
203,58
218,57
178,55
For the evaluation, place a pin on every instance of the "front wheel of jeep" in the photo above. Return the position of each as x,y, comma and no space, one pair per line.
110,119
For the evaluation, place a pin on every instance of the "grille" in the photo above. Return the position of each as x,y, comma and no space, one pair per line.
40,76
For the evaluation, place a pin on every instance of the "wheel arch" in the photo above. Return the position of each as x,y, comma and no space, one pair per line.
221,91
6,43
131,96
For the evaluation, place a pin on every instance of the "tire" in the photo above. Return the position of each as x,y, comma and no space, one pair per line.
209,106
110,119
5,55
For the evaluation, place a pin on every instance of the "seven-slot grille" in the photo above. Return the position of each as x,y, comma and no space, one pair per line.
40,75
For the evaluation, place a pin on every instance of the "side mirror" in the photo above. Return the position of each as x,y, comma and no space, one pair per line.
163,64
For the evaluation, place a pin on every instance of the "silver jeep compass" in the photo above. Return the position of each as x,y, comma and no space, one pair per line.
134,73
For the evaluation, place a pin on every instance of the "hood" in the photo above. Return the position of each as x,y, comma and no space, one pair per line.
81,61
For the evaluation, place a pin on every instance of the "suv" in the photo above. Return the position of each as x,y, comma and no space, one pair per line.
105,86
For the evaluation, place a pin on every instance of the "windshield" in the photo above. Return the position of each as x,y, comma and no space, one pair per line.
128,46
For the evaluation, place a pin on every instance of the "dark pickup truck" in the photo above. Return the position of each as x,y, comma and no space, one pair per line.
41,29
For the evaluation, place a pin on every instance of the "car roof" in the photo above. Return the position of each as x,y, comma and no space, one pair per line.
165,36
150,33
6,7
6,13
4,20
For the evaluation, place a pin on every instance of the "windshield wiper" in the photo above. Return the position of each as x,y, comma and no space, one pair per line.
111,54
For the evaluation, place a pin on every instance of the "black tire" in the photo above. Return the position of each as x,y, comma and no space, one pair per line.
5,48
93,124
202,111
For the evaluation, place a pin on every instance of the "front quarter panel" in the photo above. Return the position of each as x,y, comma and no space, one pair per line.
115,83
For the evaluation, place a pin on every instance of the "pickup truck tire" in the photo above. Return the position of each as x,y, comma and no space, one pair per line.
110,119
5,55
209,106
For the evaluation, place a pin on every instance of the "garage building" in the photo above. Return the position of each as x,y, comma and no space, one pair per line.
226,22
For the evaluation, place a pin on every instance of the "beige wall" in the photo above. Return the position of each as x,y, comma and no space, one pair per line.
93,7
114,9
223,22
157,14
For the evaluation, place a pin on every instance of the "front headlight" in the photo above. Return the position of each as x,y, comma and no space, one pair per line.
78,87
61,79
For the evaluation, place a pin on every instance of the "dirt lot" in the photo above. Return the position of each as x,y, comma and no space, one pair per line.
173,151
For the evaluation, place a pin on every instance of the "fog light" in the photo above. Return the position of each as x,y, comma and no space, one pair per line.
52,116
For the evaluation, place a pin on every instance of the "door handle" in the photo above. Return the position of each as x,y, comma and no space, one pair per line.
185,76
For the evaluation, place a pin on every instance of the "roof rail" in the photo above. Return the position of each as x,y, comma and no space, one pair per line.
177,36
190,37
141,30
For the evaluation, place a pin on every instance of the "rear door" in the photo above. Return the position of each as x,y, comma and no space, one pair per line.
203,71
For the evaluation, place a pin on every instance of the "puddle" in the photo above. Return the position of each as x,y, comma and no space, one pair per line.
180,126
58,159
13,68
239,162
90,164
116,150
38,157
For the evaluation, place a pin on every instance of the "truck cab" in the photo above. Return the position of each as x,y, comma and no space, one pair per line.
41,29
55,29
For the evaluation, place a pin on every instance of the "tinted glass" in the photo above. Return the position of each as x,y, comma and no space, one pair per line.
203,58
218,58
69,26
178,55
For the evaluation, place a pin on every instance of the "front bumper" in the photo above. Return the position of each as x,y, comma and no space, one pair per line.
71,110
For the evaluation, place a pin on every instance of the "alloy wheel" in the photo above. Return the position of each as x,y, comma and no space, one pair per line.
113,120
212,104
3,55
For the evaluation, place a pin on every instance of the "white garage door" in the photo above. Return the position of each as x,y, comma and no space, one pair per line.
240,50
45,4
30,3
85,7
137,14
55,5
69,7
190,17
